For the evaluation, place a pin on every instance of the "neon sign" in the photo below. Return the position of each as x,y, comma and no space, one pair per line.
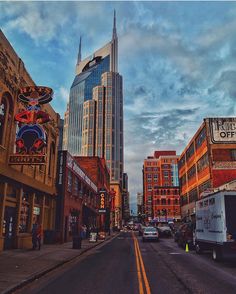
31,137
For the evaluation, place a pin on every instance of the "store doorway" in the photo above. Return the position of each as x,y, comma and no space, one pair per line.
9,223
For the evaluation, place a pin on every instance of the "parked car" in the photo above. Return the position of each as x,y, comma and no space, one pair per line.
150,233
185,235
164,229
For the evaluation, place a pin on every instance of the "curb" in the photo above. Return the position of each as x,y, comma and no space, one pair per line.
46,271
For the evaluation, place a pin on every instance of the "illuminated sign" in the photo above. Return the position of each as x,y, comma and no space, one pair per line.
223,130
102,205
31,137
36,210
91,63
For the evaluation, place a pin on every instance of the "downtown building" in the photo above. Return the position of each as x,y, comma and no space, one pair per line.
125,199
95,120
161,187
140,208
208,162
27,192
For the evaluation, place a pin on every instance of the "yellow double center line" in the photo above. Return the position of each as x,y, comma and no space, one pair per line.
140,269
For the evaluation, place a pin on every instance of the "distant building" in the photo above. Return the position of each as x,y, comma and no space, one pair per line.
65,128
125,198
161,186
61,127
208,161
140,207
95,124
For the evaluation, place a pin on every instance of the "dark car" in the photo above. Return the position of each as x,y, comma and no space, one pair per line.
164,230
184,235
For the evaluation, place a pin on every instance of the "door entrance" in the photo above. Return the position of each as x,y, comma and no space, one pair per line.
9,227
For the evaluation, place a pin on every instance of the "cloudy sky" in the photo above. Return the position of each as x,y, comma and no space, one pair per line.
177,59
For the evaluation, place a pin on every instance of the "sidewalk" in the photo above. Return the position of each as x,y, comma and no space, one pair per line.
21,266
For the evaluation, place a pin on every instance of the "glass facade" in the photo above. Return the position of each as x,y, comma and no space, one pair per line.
81,91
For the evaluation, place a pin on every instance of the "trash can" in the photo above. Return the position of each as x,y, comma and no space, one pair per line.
77,242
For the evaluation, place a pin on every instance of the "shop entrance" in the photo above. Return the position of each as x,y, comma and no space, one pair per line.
9,227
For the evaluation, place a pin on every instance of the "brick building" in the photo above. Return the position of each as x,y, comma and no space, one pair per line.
161,186
77,200
27,192
97,170
208,161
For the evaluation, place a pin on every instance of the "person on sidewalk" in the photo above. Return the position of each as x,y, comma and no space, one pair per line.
39,236
34,236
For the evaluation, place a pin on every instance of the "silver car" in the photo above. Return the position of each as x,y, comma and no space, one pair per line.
150,233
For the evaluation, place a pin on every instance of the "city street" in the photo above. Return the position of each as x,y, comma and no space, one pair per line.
125,265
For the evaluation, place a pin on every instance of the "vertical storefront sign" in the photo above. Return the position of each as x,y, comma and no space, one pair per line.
102,202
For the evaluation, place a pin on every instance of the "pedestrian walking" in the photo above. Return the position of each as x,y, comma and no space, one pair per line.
39,236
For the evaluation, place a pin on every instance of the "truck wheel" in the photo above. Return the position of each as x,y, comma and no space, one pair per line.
216,254
198,249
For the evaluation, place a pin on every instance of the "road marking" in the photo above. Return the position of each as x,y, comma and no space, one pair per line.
143,272
138,270
143,269
174,253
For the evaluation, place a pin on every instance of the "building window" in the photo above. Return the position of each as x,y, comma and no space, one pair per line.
181,162
183,180
190,151
163,201
201,138
191,172
168,201
184,199
193,195
202,163
206,185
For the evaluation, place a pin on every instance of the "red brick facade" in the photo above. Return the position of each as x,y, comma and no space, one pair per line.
208,161
161,190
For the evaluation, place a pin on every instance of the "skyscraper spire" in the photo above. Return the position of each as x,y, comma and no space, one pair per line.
79,53
114,35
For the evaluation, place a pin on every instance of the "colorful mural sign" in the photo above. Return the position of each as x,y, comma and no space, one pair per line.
31,137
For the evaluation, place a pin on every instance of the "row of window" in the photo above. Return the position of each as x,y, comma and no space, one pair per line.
196,144
202,163
165,202
194,194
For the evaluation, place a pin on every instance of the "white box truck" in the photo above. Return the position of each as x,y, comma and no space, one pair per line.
216,225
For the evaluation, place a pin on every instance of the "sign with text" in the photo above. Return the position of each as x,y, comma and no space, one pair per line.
102,202
223,130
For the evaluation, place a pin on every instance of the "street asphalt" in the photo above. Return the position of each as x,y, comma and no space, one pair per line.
126,265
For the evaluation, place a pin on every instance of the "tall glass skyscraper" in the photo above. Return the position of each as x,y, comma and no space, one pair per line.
96,107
